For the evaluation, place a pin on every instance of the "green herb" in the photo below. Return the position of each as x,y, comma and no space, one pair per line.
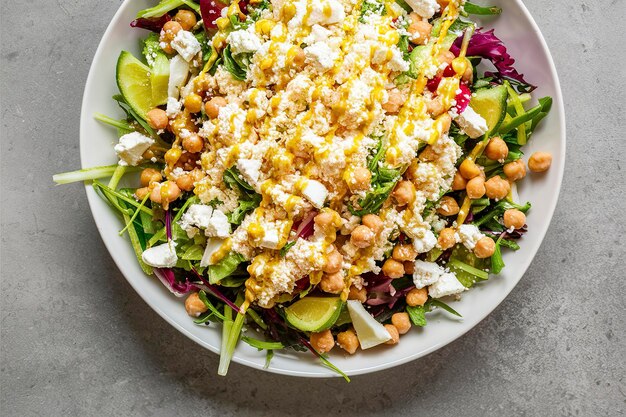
472,8
285,249
369,7
497,263
539,111
457,265
208,304
249,198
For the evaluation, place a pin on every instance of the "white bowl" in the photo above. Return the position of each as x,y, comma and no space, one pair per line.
525,43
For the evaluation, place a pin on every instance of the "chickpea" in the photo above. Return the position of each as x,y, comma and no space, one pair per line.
404,193
373,222
468,75
193,103
419,29
193,143
469,169
458,183
334,261
394,101
428,154
362,236
361,179
394,333
150,175
539,161
357,294
167,189
417,297
393,269
323,341
448,206
172,155
168,33
497,187
212,107
157,119
140,193
443,3
185,182
186,18
409,267
515,170
332,283
496,149
435,107
194,305
404,252
172,27
513,218
325,221
445,121
475,188
348,341
446,57
299,58
447,238
485,247
402,322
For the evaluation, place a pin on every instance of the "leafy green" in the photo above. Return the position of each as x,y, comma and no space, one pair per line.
444,306
536,113
225,267
498,209
132,115
497,263
209,305
417,315
238,67
123,127
384,181
472,8
465,273
268,358
249,199
256,9
166,6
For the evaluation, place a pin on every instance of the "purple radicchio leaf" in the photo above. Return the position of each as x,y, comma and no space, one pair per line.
487,45
168,279
153,24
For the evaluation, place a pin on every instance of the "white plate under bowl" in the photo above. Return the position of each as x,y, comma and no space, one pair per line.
524,41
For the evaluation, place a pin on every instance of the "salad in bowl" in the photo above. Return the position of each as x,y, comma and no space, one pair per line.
320,174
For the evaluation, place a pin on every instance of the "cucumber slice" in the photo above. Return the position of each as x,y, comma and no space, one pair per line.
133,80
314,314
159,78
490,103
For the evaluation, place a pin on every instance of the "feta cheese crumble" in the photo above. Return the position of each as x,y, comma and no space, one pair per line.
131,148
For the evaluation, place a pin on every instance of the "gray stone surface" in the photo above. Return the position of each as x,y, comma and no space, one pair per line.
77,340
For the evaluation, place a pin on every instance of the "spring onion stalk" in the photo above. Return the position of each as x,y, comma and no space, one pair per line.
226,329
478,273
117,176
268,358
87,174
231,335
519,110
262,344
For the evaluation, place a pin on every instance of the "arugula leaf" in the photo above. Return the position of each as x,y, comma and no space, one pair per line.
249,198
245,206
472,8
498,209
233,180
132,115
417,315
497,263
441,304
256,9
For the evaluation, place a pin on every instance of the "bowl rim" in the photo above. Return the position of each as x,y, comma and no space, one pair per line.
324,373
